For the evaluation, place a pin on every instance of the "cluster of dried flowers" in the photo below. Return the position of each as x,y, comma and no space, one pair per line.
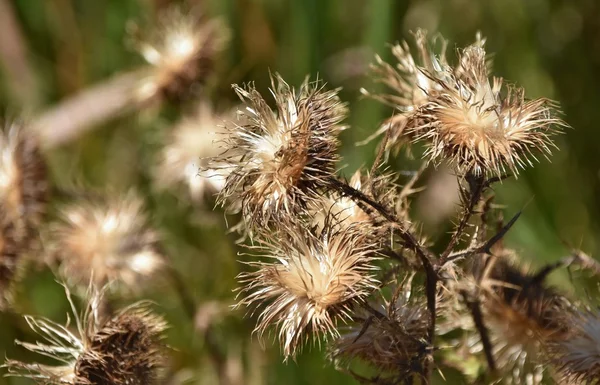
331,261
339,260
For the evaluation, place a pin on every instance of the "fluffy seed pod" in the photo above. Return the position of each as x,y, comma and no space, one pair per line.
314,280
108,239
192,140
412,81
577,356
182,50
125,350
280,159
24,193
477,127
393,338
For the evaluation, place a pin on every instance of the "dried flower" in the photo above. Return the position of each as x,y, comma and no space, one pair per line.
108,239
24,193
577,356
191,141
315,279
394,340
182,49
125,350
473,125
281,159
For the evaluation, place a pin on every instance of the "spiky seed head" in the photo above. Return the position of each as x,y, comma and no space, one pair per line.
577,357
124,350
24,191
477,126
395,341
413,81
313,281
280,159
108,239
182,49
193,140
521,315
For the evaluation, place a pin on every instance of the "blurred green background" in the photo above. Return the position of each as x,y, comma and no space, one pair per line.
549,47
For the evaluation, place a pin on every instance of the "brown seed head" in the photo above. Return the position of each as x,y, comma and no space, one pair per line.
522,315
24,193
125,350
314,280
280,159
182,50
108,239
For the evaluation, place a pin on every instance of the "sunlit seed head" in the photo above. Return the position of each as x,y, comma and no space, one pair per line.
279,159
108,239
123,350
183,159
312,283
182,49
478,126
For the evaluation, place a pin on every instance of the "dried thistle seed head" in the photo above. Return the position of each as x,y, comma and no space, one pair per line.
394,341
280,159
108,239
182,49
181,160
24,191
125,350
577,357
474,124
521,315
313,281
413,81
23,181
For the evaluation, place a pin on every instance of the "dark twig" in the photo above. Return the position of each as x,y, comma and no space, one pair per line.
477,315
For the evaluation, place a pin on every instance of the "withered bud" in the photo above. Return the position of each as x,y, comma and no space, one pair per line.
125,350
279,160
182,48
108,239
313,281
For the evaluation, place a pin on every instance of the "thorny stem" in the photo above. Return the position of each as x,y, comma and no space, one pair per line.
477,185
410,242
